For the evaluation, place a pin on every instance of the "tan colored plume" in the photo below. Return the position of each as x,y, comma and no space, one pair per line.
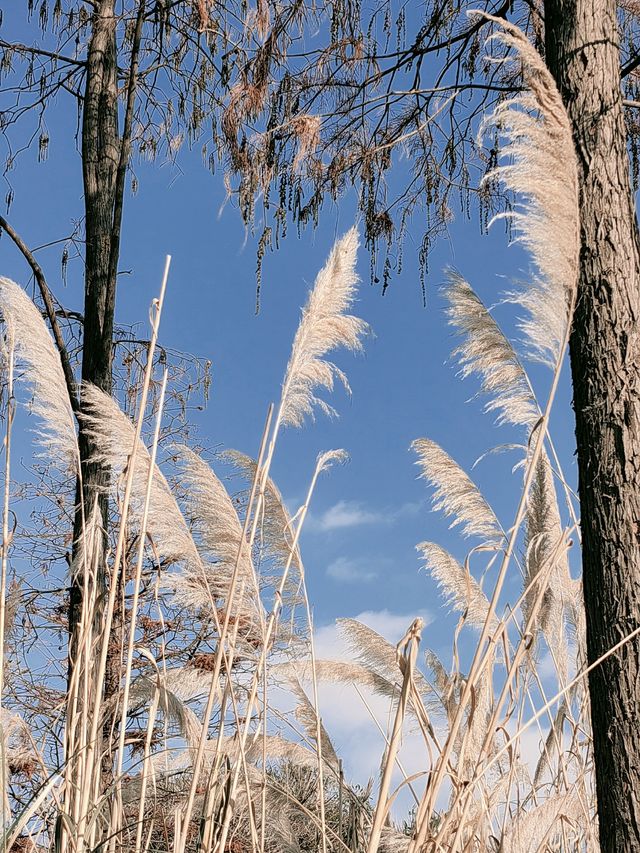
38,363
541,169
324,326
461,590
217,526
113,434
487,353
454,493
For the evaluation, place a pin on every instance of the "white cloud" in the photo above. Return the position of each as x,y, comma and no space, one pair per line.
391,626
350,570
347,514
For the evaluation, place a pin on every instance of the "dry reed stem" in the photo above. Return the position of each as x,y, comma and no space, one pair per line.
222,636
407,655
136,589
90,788
324,460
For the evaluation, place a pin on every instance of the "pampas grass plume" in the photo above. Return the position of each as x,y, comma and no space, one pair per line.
324,326
36,352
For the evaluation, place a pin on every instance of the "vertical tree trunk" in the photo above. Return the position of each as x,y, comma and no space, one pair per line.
583,54
100,159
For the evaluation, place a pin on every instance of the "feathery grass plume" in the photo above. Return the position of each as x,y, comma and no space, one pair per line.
277,533
486,351
277,749
546,554
323,327
478,719
454,493
344,672
533,830
371,648
308,718
541,169
88,545
189,683
460,589
172,706
17,751
380,657
328,458
218,529
446,685
551,744
36,352
113,434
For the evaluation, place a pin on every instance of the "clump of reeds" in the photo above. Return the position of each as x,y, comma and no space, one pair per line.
202,609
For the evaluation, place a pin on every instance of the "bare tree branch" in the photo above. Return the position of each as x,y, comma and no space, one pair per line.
50,309
38,51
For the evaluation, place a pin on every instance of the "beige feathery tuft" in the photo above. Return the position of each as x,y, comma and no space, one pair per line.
325,460
277,749
113,433
308,718
380,657
551,744
542,825
324,326
446,685
461,590
547,556
199,581
172,706
218,528
542,170
276,529
486,351
36,352
345,672
454,494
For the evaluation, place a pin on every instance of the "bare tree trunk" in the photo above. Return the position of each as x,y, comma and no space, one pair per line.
100,159
583,53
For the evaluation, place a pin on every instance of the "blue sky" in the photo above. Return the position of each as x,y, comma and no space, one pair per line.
359,546
367,516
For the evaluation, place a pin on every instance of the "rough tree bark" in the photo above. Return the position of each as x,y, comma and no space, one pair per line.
582,50
101,155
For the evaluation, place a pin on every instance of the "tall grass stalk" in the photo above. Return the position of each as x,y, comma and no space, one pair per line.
134,605
6,542
323,462
407,657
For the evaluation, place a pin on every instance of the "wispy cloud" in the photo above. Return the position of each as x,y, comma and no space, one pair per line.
347,514
391,626
350,570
